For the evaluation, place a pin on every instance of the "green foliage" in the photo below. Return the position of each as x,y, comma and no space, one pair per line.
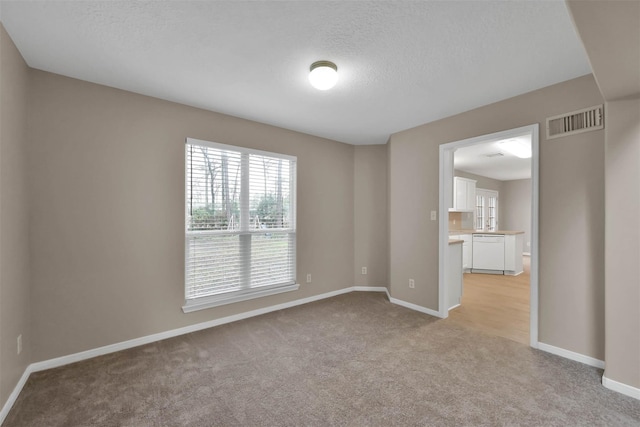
267,209
206,218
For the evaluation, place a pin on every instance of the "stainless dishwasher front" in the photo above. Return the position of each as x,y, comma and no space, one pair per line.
488,252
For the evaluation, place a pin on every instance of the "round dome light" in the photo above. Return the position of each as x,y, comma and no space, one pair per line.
323,75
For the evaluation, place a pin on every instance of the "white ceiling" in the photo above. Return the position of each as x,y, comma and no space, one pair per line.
401,64
482,159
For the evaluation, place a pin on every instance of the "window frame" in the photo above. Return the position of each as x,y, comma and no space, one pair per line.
245,293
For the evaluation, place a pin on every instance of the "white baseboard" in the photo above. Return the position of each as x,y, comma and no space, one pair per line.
124,345
370,289
625,389
415,307
14,394
571,355
112,348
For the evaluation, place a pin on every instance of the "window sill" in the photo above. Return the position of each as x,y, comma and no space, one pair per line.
230,298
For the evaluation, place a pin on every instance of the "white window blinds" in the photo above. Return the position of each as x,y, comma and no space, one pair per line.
240,237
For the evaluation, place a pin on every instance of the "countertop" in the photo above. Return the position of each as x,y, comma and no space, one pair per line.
505,232
454,241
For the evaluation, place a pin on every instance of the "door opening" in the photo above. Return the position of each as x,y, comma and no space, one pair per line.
486,217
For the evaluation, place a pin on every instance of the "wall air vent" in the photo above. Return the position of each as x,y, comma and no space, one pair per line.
575,122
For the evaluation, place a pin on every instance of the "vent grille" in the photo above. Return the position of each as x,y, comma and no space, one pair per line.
575,122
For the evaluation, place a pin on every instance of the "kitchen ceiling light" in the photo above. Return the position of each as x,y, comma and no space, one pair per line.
517,148
323,75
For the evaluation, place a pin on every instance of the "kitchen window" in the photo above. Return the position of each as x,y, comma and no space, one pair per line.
486,218
240,224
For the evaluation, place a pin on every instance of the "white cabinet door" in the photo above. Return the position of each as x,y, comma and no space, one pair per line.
471,194
464,194
513,247
454,274
466,251
459,193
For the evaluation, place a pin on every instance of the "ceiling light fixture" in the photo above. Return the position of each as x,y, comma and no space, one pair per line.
323,75
517,148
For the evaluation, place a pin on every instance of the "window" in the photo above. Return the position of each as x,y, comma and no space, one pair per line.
240,234
486,210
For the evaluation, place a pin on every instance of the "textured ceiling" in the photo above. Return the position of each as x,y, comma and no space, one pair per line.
401,64
481,159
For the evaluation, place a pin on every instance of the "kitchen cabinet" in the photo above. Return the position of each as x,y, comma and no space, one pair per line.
467,250
513,247
464,194
454,275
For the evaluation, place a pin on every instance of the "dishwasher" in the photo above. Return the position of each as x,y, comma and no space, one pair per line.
488,252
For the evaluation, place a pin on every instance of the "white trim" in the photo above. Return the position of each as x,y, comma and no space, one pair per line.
535,225
124,345
623,388
415,307
246,292
445,199
227,147
222,299
370,289
526,254
14,394
571,355
112,348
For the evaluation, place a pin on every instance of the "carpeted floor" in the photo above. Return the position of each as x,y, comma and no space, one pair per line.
353,360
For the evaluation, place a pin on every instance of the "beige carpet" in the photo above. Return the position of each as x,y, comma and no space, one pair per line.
353,360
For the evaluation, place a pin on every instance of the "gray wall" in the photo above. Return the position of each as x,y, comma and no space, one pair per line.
14,251
571,211
370,210
623,242
602,25
482,181
515,208
107,212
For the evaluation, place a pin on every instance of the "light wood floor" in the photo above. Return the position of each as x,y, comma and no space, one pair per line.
497,305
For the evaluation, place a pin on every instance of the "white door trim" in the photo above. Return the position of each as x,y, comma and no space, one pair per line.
445,199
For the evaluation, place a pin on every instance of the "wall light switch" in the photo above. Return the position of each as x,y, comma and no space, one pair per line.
434,215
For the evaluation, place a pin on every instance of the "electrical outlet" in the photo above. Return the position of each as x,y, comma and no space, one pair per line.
434,215
364,270
412,283
19,343
308,278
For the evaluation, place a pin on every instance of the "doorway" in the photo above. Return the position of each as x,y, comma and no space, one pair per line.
446,201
